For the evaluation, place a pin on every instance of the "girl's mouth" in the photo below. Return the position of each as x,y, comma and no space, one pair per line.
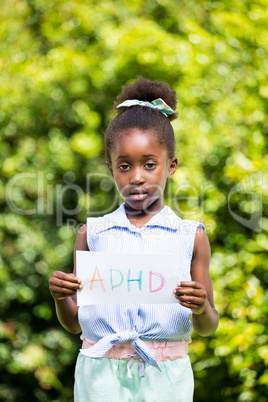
138,194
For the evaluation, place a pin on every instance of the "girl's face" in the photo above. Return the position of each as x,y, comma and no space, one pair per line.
140,168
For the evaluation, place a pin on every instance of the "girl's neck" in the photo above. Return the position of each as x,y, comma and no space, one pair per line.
139,218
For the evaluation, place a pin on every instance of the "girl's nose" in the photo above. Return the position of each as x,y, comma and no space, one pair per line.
137,177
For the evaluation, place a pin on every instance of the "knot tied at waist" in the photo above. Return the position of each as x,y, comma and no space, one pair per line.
120,345
100,348
127,336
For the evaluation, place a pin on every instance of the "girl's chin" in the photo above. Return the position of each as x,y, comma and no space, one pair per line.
144,205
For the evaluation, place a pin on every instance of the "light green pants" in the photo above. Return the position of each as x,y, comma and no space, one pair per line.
105,380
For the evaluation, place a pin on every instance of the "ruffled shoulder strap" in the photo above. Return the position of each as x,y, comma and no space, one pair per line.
95,226
187,230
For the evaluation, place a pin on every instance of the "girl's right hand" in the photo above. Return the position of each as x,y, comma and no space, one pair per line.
62,285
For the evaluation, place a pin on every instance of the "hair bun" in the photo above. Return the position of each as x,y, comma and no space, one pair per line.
147,90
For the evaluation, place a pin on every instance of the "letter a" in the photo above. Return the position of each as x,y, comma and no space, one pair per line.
150,281
96,280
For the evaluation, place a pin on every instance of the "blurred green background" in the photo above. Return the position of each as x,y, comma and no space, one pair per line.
62,64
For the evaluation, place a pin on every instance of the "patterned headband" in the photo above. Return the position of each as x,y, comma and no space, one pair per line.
157,104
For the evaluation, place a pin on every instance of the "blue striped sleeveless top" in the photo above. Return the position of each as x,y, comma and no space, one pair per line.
164,233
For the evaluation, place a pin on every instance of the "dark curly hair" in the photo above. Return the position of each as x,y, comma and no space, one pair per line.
143,118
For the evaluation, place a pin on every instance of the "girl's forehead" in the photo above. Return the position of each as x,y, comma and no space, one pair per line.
135,140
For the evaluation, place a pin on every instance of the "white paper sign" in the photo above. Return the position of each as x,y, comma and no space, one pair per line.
126,278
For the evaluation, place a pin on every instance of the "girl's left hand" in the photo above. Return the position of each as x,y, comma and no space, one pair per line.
192,295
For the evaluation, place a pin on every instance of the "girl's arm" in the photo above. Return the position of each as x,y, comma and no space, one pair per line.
198,293
63,288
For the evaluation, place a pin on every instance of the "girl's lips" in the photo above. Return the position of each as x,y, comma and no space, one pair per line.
138,194
138,197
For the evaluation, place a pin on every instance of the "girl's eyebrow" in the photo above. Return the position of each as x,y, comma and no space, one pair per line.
121,157
144,156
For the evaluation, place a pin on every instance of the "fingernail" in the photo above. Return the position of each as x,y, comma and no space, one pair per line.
179,284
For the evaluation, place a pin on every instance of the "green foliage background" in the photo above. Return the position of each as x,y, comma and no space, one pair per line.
62,64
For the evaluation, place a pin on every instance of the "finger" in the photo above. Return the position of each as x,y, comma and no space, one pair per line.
191,306
67,277
190,284
191,299
189,291
63,284
60,295
66,291
59,292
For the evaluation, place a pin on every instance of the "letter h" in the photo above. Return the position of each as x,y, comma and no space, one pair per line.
134,280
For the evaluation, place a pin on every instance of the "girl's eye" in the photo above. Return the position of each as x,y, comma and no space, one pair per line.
123,167
150,165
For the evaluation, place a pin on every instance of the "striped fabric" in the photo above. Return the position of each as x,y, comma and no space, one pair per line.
108,324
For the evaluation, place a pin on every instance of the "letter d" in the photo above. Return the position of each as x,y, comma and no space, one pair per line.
150,281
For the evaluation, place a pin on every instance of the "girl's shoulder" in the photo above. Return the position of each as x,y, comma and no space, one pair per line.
107,221
81,238
184,226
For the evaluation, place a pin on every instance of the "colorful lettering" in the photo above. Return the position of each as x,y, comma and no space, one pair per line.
111,278
151,273
96,280
134,280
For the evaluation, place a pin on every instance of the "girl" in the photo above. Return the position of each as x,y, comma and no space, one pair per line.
138,352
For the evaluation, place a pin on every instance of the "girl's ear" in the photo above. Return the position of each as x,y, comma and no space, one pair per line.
109,166
173,164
